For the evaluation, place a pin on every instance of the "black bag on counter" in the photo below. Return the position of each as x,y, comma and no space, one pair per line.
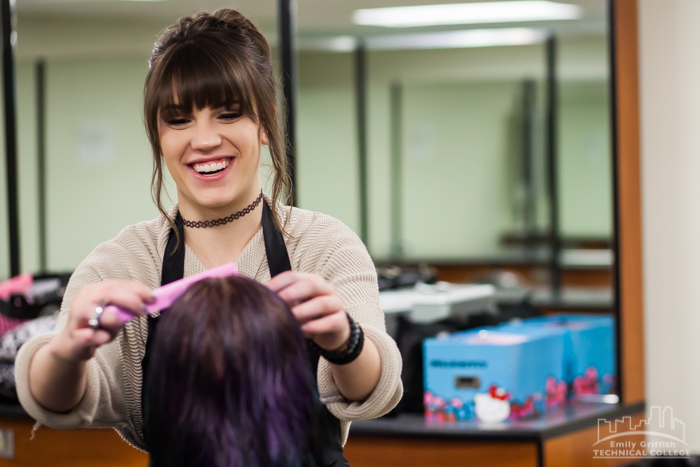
38,308
44,298
398,277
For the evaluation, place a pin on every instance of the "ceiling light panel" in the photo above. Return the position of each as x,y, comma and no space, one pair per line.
459,39
466,13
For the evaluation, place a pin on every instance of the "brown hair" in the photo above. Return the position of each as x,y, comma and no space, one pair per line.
212,59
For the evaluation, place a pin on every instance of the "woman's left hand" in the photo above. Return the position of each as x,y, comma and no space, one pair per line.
315,305
320,313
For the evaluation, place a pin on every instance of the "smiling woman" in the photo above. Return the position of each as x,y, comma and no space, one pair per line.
209,106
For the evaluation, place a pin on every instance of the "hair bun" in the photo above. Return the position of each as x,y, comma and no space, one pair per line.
227,18
223,19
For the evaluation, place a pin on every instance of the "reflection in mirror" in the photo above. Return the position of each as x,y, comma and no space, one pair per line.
98,160
472,134
457,143
442,167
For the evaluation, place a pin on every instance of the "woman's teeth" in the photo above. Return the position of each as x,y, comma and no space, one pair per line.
212,167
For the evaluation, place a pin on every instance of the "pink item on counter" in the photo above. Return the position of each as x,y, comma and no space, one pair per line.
588,383
166,295
17,285
556,392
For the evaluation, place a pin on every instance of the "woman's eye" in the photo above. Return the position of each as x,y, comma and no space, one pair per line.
229,115
177,121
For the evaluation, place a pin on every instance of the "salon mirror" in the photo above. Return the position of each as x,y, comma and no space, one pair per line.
454,126
432,143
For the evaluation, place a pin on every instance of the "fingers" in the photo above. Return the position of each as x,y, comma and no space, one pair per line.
282,280
295,287
93,338
129,295
317,308
332,323
79,339
330,332
110,323
81,343
315,305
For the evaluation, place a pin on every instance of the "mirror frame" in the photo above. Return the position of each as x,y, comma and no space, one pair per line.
628,268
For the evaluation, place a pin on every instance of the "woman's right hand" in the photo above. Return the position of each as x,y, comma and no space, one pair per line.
77,341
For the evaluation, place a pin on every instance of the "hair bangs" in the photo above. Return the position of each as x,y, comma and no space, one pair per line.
196,77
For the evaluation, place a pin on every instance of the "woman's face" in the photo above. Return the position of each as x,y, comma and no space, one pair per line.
213,155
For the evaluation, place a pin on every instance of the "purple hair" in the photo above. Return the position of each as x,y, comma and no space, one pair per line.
229,381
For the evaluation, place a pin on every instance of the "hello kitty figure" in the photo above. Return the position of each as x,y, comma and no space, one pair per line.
492,407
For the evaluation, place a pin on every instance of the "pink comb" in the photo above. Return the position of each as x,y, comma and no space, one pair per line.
165,296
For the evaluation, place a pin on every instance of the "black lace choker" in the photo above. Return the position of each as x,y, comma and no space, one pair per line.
225,220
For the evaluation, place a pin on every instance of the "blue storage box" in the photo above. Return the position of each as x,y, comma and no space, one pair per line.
589,348
514,368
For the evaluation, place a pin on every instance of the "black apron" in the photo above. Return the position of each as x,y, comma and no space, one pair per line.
331,443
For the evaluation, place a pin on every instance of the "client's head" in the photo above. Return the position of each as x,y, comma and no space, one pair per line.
229,382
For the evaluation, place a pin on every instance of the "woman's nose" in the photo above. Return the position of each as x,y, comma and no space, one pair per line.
205,137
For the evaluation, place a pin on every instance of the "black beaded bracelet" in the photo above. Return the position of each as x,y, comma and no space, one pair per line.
349,353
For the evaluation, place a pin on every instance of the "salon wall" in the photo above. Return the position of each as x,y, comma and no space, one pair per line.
97,156
99,159
585,164
458,143
670,98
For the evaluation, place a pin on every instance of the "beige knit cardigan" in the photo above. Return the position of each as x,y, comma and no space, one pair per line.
318,243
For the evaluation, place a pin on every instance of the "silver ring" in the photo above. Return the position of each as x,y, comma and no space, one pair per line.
94,322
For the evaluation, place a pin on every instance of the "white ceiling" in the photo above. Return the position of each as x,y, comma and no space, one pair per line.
314,17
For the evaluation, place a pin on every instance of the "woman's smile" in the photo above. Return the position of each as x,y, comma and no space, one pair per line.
212,169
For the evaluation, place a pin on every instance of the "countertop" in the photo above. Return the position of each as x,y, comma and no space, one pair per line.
570,418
